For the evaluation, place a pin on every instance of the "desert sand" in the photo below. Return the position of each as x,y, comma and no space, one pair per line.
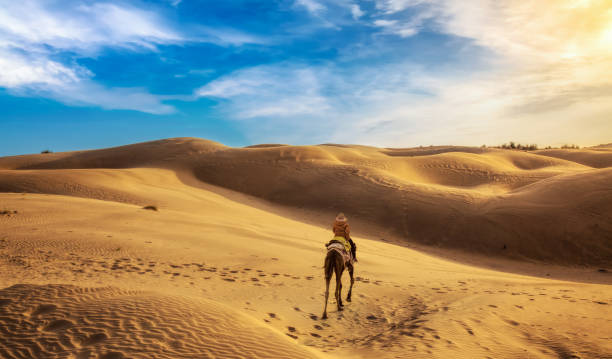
464,252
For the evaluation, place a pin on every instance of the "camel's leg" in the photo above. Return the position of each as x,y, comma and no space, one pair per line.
350,292
327,280
339,291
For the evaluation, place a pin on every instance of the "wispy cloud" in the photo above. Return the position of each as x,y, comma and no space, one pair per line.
34,32
312,6
342,70
546,80
280,91
83,27
356,11
397,28
37,75
393,6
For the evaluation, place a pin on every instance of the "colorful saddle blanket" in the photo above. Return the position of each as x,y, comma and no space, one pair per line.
339,247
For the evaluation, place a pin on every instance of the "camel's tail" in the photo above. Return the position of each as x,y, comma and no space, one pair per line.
329,265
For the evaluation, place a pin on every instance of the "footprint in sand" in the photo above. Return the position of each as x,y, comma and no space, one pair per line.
95,338
44,309
112,355
59,324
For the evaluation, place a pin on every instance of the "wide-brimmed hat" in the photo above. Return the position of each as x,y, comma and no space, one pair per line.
341,217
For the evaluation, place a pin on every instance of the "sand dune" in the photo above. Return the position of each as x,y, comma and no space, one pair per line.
230,264
596,157
75,322
137,155
161,264
484,201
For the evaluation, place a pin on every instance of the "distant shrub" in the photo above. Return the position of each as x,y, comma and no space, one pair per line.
46,151
150,208
517,146
570,147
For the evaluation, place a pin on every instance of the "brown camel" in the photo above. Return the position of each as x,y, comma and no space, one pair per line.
334,263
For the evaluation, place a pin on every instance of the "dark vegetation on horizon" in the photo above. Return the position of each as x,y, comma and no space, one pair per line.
531,147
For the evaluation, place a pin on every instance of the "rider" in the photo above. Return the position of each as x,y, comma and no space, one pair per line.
342,234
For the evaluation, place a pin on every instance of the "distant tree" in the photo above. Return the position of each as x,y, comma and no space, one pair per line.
46,151
516,146
570,147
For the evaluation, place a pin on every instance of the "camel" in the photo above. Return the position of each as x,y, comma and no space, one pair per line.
334,263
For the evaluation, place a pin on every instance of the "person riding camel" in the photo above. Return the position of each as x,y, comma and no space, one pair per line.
342,235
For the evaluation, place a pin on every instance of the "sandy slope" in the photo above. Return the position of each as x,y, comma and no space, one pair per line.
159,265
597,157
89,274
79,322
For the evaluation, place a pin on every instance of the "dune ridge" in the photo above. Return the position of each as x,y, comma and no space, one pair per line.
596,157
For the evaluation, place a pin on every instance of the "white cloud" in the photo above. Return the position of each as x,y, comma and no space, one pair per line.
38,76
32,33
81,27
545,81
356,11
404,104
393,6
312,6
397,28
279,91
17,70
547,72
225,36
385,23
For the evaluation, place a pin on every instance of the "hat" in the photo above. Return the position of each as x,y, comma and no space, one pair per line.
341,217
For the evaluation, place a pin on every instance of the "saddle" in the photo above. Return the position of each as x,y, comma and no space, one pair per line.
339,247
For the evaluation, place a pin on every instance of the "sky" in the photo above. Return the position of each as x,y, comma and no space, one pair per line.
83,74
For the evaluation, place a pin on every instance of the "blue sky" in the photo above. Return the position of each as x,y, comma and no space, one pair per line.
80,74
